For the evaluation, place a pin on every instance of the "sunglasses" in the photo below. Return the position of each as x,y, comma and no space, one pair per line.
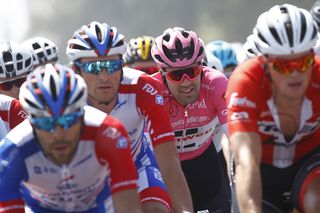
148,70
49,123
8,85
95,67
178,75
287,66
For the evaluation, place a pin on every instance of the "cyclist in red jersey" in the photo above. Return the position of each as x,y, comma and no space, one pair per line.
67,157
15,63
194,98
274,113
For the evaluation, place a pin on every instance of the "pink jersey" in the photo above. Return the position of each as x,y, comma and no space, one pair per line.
195,124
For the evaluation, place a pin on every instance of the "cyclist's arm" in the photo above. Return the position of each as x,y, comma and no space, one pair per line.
247,150
155,113
169,164
12,171
123,202
12,206
113,147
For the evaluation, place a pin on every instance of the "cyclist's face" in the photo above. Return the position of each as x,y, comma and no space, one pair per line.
61,144
291,85
187,90
103,87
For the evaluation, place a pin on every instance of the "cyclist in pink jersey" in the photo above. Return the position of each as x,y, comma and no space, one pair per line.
194,98
133,97
273,115
65,157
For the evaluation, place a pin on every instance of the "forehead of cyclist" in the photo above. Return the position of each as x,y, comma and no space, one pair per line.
170,69
104,58
289,56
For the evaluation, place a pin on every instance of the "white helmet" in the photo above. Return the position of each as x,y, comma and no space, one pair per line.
53,90
212,61
250,48
15,61
285,29
43,50
95,39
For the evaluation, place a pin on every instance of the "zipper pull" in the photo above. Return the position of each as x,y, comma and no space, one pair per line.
185,113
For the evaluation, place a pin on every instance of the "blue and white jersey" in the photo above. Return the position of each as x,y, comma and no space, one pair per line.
101,165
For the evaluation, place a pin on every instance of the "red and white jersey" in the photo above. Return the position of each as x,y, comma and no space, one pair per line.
251,108
139,105
11,112
101,164
195,124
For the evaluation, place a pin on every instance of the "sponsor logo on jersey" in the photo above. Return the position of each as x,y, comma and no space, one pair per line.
198,104
159,99
224,112
265,113
149,89
240,101
23,114
198,119
239,116
190,134
122,143
111,132
44,170
208,87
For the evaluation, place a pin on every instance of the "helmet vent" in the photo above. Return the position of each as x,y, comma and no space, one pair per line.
275,33
19,56
53,88
7,56
80,94
98,33
28,62
303,26
36,46
200,51
179,48
185,34
168,53
166,37
159,58
262,38
31,103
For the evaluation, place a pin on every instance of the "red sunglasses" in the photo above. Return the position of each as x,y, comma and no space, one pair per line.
178,75
7,86
287,66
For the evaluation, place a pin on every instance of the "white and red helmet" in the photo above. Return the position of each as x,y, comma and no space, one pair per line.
95,39
177,47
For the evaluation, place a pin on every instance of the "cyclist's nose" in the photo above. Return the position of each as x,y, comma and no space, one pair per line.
185,80
58,133
104,74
